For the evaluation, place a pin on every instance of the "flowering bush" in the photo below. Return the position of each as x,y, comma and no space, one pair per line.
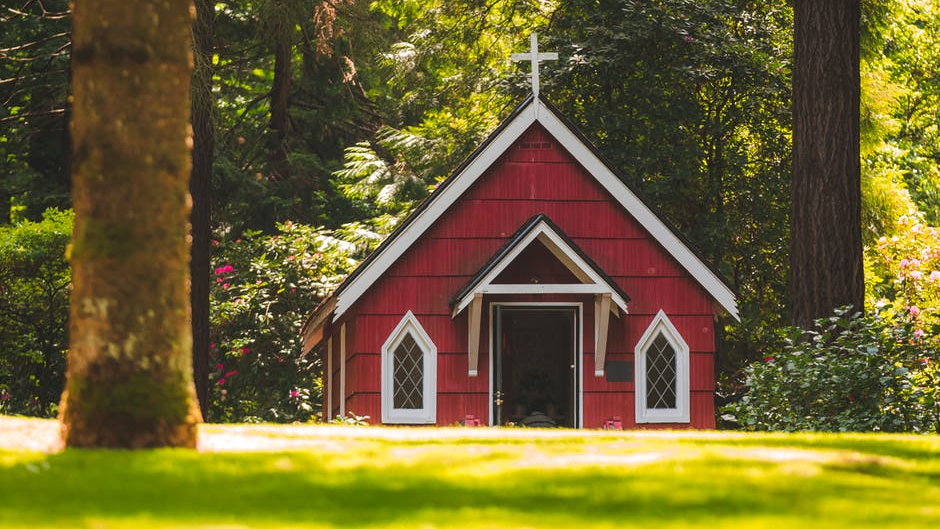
263,288
849,373
903,270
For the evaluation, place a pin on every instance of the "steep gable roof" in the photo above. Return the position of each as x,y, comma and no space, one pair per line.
532,110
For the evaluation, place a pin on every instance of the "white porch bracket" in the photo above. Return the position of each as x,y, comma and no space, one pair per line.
473,334
601,324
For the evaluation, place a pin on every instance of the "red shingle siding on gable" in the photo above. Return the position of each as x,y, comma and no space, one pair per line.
536,264
534,176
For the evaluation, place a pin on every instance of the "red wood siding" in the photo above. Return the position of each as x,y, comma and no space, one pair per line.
598,407
334,390
536,264
535,176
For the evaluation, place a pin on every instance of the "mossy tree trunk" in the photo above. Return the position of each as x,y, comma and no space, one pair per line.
130,371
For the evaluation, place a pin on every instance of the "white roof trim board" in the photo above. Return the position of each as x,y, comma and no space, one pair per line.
535,112
563,252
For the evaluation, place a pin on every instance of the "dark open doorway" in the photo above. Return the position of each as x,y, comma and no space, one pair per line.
535,379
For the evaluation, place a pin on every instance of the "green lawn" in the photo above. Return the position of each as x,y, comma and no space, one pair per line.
385,477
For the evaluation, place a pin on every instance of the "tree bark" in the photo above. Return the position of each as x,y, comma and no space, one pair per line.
130,365
280,100
5,196
200,185
825,222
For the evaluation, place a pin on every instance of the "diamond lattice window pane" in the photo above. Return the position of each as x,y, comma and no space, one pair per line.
408,365
661,374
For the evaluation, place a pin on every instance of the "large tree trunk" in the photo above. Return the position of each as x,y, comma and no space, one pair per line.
200,188
825,237
130,366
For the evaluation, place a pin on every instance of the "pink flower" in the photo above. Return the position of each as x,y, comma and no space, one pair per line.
687,38
231,373
913,310
919,333
228,268
904,263
245,350
768,359
220,367
215,242
5,396
211,345
221,382
219,280
225,285
916,275
294,393
935,275
293,290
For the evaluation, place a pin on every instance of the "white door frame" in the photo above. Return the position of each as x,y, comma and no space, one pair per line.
578,346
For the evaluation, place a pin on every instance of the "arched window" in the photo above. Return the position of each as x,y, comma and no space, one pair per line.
409,375
662,374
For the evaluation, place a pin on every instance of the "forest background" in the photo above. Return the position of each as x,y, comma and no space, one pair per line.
330,120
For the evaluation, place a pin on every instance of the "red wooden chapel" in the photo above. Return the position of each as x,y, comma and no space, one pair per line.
534,287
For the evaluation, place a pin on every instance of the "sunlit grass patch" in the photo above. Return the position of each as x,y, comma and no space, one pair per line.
387,477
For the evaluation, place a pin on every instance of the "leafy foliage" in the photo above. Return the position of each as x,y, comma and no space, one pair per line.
264,287
910,60
849,373
691,101
34,291
445,88
903,269
34,76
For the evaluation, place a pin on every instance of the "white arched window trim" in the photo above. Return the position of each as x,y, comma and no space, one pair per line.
409,324
679,414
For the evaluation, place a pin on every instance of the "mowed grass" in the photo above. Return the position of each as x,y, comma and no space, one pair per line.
473,478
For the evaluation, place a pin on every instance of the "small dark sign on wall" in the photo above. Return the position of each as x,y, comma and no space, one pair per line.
619,371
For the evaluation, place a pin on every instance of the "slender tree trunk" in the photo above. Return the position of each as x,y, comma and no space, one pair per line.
825,236
200,188
5,197
280,100
130,365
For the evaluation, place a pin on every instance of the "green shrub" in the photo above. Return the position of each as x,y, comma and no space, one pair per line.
903,269
34,298
850,372
263,288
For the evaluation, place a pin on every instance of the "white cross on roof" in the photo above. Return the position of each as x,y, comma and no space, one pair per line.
535,57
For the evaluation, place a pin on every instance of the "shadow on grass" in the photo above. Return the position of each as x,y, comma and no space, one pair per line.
304,488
